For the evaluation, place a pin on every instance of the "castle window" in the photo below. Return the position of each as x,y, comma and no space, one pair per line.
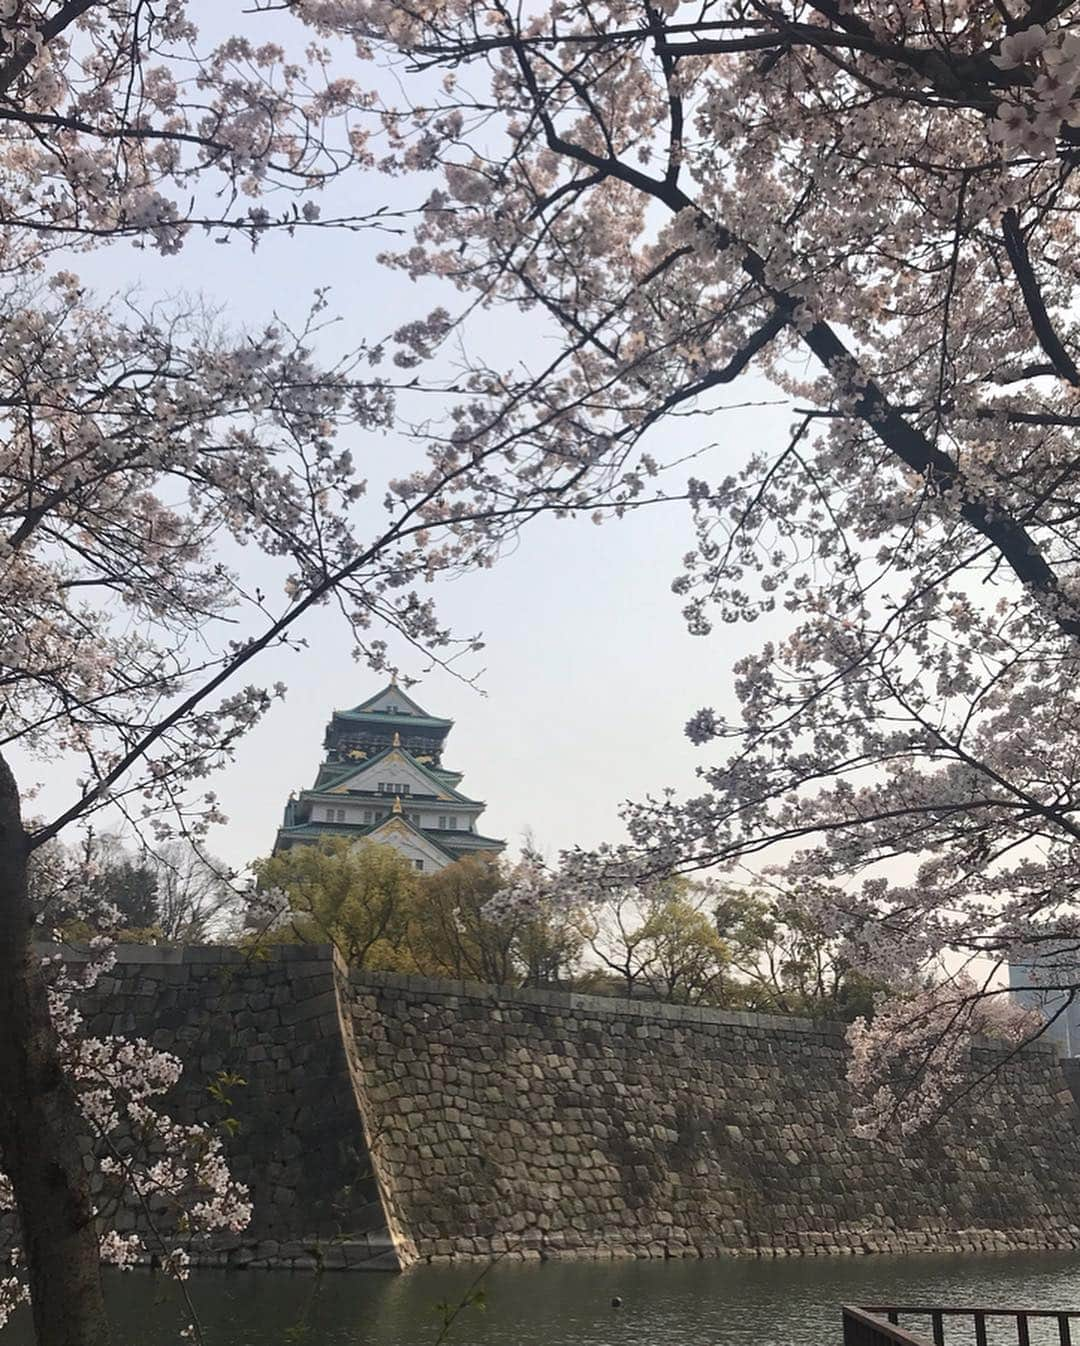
404,789
341,815
442,821
419,864
367,815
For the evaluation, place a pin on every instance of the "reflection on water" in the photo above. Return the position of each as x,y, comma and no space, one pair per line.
716,1303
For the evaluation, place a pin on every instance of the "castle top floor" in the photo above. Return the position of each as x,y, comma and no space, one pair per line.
388,717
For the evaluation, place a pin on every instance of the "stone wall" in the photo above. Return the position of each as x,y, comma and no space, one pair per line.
558,1125
389,1119
298,1144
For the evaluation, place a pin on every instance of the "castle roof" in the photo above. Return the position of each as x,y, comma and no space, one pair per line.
393,706
441,787
452,845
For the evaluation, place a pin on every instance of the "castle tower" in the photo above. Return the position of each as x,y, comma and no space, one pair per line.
382,780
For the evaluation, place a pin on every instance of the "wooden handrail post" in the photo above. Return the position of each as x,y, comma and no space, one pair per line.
879,1324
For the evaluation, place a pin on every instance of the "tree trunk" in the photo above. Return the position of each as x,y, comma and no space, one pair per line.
42,1134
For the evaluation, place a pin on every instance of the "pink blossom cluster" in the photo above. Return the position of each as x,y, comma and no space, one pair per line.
124,114
144,1155
910,1062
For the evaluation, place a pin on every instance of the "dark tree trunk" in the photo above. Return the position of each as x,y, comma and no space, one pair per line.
42,1133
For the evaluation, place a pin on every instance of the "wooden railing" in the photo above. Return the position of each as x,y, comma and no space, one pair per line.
866,1327
879,1325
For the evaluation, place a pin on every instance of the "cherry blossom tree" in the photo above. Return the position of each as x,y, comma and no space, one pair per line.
134,441
874,205
148,453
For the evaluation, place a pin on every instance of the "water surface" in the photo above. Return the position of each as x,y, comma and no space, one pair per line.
723,1302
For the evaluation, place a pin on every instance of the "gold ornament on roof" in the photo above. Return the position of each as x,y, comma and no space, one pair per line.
397,804
397,739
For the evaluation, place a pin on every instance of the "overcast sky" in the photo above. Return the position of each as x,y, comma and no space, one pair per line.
588,676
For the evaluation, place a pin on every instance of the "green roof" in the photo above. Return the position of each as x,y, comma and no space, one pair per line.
440,785
419,715
472,841
318,828
312,831
384,717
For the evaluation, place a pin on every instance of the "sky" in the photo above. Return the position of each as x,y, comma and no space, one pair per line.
588,675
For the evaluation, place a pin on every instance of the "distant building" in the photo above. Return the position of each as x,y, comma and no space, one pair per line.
1034,977
383,780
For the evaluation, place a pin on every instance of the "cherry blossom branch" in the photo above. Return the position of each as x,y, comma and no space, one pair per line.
1048,339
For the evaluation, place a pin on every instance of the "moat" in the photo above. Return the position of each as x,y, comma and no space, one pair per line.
722,1302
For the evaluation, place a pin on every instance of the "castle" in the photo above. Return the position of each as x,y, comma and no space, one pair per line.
382,780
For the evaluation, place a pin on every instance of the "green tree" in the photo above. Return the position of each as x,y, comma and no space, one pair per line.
93,888
548,948
659,942
453,932
688,959
358,897
784,962
450,935
131,888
